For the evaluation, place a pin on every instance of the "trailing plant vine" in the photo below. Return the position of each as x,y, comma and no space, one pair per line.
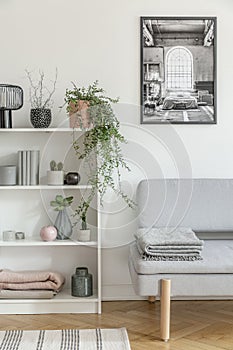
101,142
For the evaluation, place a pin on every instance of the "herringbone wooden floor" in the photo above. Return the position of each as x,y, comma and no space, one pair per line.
195,325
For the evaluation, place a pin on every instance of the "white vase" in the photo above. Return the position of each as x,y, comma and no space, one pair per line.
84,235
55,177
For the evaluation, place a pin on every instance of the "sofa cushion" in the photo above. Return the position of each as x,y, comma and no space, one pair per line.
202,204
210,285
217,258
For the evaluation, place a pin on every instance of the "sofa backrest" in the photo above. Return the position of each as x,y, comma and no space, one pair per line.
202,204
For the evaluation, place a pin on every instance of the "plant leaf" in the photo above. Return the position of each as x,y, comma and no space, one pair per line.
59,199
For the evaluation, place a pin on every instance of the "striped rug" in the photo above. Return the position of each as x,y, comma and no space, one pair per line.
66,339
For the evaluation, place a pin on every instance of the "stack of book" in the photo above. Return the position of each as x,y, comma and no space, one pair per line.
28,167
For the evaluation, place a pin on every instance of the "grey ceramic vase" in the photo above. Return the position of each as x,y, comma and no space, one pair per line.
40,117
81,283
63,225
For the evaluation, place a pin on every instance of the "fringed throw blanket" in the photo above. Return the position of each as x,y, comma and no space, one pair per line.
169,243
27,280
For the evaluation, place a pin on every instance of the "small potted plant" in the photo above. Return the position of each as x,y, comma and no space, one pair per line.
55,176
84,233
62,222
40,97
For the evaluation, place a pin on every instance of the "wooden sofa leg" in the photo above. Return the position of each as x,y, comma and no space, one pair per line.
165,309
151,299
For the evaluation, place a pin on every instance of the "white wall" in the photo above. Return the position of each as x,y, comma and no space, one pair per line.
89,40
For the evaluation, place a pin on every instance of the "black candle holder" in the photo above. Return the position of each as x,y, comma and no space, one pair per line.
11,98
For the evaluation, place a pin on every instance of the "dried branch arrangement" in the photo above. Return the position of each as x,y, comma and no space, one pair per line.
40,95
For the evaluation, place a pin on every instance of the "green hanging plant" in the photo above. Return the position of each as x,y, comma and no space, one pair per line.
101,142
94,95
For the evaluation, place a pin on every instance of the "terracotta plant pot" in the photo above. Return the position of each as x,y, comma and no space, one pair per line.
79,114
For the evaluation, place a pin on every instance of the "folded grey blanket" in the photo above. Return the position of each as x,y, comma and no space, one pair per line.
170,251
170,255
171,258
168,243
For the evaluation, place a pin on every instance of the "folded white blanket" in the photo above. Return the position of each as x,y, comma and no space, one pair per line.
169,243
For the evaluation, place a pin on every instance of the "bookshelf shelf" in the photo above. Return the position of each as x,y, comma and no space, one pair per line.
46,187
63,302
39,130
39,243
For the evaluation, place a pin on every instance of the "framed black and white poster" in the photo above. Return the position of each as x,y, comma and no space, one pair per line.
178,70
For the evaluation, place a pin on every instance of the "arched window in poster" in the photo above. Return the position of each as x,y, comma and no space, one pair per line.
179,68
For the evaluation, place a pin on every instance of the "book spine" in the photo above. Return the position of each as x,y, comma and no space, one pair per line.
20,156
28,167
34,171
24,167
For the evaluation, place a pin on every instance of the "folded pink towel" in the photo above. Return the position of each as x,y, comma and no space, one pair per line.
22,280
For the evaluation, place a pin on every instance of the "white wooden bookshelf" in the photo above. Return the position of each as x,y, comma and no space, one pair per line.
27,208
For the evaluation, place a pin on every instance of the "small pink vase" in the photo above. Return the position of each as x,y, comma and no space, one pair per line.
48,233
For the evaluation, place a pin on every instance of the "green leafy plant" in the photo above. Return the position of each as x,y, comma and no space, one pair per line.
56,166
82,212
101,142
93,94
60,202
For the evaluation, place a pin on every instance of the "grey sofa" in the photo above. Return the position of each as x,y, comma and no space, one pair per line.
205,205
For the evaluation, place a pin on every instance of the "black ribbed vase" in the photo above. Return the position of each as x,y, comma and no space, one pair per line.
40,117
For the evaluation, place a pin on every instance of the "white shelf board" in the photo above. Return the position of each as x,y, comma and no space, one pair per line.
38,130
64,295
63,302
38,242
46,187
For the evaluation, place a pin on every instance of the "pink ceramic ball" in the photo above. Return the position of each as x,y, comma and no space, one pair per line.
48,233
